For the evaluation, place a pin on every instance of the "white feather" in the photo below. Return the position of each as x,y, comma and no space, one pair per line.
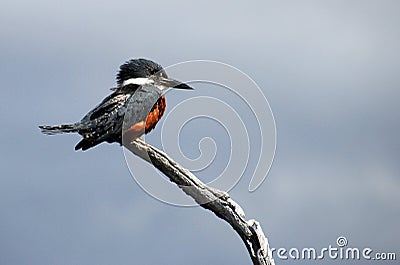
138,81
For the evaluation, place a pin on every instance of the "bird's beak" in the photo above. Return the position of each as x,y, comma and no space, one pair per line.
174,84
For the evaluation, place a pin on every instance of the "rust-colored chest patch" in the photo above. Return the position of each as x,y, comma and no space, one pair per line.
155,114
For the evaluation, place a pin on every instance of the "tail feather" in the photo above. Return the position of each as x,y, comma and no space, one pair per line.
85,144
51,130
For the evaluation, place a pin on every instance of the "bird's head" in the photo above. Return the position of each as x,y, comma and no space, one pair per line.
143,71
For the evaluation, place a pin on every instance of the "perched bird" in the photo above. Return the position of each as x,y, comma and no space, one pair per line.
133,109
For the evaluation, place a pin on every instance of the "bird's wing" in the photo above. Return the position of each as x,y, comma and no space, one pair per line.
104,120
103,123
108,107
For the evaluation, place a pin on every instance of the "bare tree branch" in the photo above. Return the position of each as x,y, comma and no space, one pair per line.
209,198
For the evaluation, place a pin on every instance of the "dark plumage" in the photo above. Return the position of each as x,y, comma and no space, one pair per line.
134,108
138,68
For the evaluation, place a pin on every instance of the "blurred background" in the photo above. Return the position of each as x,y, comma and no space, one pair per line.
330,71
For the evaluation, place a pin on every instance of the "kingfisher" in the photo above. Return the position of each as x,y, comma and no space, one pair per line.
134,107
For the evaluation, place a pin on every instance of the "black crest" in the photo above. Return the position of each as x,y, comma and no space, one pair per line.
138,68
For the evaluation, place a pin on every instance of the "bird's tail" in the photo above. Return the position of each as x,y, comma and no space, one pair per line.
65,128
